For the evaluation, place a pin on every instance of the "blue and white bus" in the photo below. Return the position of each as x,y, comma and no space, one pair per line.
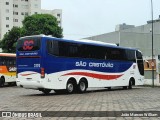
46,63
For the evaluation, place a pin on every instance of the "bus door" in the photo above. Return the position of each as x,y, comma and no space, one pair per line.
29,55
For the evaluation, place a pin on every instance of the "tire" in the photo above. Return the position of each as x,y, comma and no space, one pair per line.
46,91
130,84
2,81
70,87
82,86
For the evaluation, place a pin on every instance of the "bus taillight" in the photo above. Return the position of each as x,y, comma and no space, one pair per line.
42,73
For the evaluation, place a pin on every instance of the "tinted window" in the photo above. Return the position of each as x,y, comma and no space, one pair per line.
130,55
28,44
53,47
139,55
7,61
67,49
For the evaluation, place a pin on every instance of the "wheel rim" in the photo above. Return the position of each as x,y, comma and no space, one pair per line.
82,86
70,87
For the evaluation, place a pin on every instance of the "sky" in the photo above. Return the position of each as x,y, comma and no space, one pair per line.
84,18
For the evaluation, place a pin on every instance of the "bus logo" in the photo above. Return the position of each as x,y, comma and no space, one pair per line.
12,69
28,45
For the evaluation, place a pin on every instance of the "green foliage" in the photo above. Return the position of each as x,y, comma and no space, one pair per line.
32,25
8,43
42,24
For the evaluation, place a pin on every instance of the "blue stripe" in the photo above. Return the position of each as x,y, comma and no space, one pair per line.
60,64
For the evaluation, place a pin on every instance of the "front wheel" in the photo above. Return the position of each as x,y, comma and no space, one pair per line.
130,84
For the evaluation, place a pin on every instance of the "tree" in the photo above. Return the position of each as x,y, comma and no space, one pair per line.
42,24
32,25
8,43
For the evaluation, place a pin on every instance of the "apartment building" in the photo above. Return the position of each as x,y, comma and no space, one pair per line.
12,13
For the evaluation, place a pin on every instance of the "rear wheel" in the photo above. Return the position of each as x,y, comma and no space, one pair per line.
46,91
82,86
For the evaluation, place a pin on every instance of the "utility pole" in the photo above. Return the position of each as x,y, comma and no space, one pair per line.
152,46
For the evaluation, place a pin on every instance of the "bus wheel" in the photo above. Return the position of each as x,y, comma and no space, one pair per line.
2,81
82,86
46,91
130,84
70,87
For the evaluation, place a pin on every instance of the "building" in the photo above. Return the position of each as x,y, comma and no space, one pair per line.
12,13
141,38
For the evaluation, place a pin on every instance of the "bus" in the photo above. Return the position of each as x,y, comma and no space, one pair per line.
46,63
7,69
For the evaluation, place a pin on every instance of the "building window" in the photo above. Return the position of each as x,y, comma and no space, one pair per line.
16,6
15,20
22,13
15,13
7,26
7,3
58,15
35,13
25,6
26,0
59,22
7,18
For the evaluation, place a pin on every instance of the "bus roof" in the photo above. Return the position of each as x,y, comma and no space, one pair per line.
96,42
84,41
7,55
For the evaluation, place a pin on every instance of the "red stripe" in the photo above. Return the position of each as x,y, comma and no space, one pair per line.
28,74
94,75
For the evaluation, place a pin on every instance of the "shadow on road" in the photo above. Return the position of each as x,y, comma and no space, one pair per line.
89,91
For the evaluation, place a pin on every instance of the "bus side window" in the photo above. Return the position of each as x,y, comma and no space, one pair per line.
52,47
14,62
3,61
138,55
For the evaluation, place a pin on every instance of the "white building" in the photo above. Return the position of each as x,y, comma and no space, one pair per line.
12,13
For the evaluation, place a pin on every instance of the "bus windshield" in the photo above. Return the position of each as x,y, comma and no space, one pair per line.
29,44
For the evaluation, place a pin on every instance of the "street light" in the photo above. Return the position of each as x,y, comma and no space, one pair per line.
152,45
